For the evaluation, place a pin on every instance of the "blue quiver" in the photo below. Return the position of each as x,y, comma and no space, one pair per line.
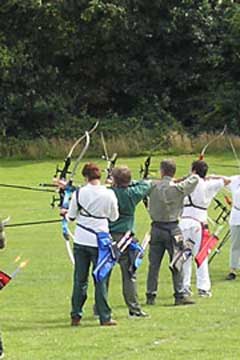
106,256
136,256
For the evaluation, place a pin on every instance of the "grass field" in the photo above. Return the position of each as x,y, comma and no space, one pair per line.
35,307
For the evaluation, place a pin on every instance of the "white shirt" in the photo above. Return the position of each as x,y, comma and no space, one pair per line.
234,187
98,201
202,196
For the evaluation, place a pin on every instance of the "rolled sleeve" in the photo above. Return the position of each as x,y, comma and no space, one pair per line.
188,185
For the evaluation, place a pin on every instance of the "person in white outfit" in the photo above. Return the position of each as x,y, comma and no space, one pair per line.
93,206
194,218
234,223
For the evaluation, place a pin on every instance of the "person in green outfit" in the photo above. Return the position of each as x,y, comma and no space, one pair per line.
129,194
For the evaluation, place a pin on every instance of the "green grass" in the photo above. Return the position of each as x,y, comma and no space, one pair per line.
35,306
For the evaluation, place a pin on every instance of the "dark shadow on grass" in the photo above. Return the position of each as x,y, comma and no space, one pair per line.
35,326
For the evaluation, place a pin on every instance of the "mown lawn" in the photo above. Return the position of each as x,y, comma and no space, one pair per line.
35,307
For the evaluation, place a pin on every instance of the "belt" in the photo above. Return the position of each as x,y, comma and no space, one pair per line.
164,223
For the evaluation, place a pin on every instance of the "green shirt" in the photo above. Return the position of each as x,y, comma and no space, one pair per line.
128,198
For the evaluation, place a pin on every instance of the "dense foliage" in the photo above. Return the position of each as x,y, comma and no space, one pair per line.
132,63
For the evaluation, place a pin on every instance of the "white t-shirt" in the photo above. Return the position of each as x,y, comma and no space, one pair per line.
234,187
98,201
202,197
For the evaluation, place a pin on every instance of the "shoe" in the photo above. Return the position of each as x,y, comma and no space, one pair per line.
231,276
75,321
1,354
204,293
188,292
111,322
151,299
184,301
138,314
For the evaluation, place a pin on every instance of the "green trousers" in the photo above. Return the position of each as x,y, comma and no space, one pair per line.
129,281
84,256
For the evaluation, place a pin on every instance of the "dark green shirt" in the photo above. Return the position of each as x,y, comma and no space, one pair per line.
128,198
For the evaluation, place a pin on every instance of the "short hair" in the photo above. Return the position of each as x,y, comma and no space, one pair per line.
91,171
121,176
168,167
200,167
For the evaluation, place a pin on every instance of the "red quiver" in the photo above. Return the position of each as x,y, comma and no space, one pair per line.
4,279
208,242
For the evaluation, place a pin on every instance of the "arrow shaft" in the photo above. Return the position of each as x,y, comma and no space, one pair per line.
33,223
23,187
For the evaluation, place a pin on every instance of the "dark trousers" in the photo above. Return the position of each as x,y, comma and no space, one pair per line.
162,239
1,345
84,256
129,280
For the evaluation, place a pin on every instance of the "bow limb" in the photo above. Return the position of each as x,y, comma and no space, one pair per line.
81,138
202,153
68,159
73,173
65,230
111,161
234,151
66,236
105,156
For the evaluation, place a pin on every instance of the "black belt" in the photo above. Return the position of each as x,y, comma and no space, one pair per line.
161,224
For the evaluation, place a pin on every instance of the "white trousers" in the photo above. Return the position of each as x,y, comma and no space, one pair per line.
235,247
192,229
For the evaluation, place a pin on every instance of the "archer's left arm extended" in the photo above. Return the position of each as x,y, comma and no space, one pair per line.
188,185
141,189
72,211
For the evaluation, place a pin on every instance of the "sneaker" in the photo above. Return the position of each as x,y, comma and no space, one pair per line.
188,292
231,276
184,301
204,293
111,322
151,299
138,314
1,354
75,321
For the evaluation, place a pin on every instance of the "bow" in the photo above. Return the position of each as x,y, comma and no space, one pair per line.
66,187
68,190
60,176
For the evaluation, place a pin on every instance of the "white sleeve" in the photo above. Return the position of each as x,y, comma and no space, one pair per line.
234,179
73,207
113,213
213,187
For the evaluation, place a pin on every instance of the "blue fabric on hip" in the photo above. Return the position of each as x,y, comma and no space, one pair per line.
138,253
106,256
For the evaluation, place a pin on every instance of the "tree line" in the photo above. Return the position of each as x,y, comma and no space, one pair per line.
133,64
